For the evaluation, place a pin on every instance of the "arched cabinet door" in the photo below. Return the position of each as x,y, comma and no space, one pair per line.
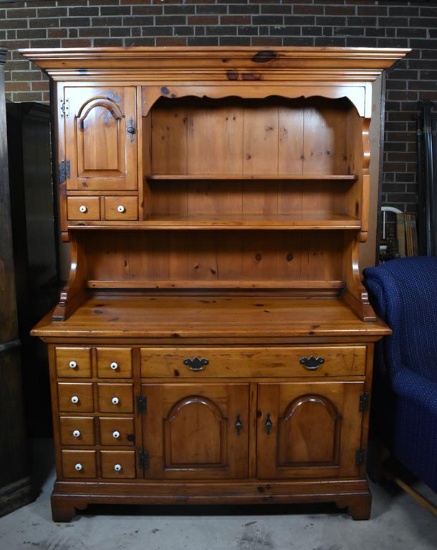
100,138
309,430
196,431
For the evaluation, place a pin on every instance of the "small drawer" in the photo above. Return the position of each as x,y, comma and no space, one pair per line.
118,464
117,431
115,398
83,208
73,362
79,464
77,430
114,362
121,208
248,361
75,397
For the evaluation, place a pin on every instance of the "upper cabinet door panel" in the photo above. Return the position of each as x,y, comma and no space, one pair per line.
100,138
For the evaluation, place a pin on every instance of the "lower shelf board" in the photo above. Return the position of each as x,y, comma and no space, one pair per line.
68,497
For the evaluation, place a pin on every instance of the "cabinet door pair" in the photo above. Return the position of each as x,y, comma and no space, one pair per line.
204,431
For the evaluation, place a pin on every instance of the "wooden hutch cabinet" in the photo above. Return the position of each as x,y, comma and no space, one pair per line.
214,342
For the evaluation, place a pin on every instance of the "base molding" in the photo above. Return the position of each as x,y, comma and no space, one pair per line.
68,497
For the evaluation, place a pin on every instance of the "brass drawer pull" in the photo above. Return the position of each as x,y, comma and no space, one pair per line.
196,364
312,363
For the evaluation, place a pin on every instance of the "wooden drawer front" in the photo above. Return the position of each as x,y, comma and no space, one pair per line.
272,362
118,464
75,397
73,362
114,362
121,208
77,430
117,431
83,208
115,398
79,464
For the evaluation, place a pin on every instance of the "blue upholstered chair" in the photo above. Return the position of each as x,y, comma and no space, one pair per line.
404,415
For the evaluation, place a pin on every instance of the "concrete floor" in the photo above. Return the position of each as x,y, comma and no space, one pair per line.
397,523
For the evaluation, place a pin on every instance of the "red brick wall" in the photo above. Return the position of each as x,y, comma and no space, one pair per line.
383,23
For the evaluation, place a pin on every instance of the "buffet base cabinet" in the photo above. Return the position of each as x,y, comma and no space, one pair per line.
213,420
213,342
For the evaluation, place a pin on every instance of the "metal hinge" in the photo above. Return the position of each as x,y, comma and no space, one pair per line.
364,401
64,171
143,457
141,404
64,106
360,457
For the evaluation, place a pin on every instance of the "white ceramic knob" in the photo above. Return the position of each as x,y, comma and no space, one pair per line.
75,399
76,433
121,209
115,400
83,209
117,467
116,434
78,467
113,365
72,365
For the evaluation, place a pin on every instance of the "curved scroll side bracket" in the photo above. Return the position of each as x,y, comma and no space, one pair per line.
73,292
355,294
365,136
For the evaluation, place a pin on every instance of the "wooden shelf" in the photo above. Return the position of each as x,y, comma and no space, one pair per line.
254,177
230,222
231,286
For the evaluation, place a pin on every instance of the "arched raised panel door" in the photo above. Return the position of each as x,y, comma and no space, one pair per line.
309,429
196,431
100,138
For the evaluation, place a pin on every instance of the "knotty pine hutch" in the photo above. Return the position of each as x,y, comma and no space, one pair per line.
214,342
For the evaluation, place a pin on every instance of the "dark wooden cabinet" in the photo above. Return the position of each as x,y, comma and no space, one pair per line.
15,480
214,342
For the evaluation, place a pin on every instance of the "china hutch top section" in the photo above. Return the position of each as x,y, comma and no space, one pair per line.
225,169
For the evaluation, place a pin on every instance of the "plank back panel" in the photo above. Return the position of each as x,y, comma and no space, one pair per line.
184,259
251,137
214,142
169,139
